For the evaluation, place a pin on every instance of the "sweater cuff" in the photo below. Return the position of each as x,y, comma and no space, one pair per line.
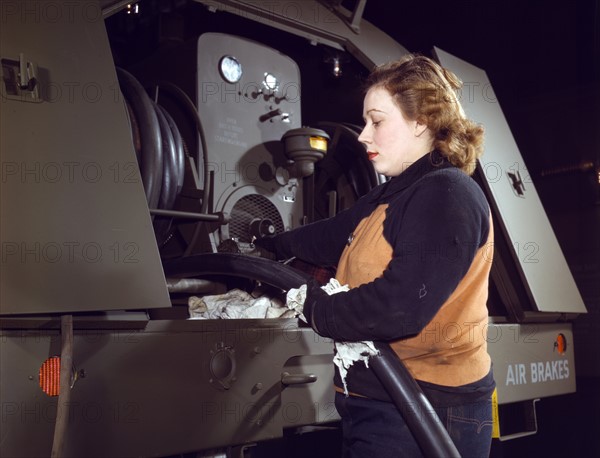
322,317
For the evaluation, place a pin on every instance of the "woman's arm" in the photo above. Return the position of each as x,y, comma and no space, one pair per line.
322,242
434,241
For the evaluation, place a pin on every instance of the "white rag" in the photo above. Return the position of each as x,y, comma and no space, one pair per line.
240,304
346,353
237,304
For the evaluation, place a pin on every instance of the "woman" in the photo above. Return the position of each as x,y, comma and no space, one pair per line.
416,253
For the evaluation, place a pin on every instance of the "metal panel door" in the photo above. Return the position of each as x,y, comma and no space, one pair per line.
535,249
75,229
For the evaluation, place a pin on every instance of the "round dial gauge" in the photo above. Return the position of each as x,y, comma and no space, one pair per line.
230,69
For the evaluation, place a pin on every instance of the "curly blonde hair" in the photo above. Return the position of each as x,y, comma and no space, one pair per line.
427,92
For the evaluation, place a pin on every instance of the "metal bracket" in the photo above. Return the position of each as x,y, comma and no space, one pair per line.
359,9
20,81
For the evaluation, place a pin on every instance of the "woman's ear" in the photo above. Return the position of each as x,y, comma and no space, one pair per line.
420,128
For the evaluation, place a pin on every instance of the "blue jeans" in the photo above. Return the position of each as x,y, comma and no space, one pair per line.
376,429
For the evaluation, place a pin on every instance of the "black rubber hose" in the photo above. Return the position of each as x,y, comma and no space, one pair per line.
179,150
406,394
135,132
418,413
151,163
168,191
181,96
238,265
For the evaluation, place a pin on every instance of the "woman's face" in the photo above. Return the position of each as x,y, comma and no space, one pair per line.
393,142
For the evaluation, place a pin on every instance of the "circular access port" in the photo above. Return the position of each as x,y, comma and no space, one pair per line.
222,367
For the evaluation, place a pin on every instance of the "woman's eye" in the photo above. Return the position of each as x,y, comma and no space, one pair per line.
376,123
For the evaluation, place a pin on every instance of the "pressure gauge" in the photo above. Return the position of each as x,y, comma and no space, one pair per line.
230,69
270,82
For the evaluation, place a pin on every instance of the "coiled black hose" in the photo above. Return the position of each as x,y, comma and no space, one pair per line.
183,98
179,150
151,163
187,103
162,156
168,191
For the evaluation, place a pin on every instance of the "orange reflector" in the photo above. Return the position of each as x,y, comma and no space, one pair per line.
50,376
560,344
318,143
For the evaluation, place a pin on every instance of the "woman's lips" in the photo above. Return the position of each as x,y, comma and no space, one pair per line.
372,155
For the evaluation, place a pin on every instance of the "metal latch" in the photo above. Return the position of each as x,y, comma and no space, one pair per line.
20,81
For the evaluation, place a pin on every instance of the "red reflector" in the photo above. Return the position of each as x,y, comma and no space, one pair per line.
50,376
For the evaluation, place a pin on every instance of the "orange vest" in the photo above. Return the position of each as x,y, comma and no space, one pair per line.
452,349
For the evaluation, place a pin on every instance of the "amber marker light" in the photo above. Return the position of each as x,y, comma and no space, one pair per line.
50,376
318,143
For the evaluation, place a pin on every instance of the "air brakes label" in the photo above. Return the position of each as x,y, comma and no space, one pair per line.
532,360
537,372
